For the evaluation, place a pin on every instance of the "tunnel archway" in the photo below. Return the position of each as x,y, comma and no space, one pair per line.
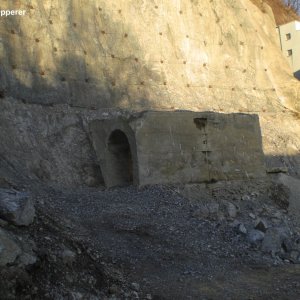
120,158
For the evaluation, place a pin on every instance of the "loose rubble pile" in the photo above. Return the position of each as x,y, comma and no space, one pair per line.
29,256
261,216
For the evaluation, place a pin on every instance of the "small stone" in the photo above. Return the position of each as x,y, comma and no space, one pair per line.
75,296
113,289
231,210
294,255
255,236
245,198
242,229
213,208
252,216
278,215
235,224
135,286
68,256
135,295
287,245
261,225
149,297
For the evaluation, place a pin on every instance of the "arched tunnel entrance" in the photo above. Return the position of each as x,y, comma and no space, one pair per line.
119,158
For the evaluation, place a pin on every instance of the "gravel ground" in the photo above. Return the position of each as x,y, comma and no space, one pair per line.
176,247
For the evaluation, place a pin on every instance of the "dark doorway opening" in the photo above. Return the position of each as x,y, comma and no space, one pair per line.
120,159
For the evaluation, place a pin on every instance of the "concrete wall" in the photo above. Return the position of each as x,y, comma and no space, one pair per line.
292,29
184,147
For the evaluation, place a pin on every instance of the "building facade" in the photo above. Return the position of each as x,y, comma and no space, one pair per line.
289,35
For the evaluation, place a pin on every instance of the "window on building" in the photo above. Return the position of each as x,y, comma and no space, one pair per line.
288,36
290,52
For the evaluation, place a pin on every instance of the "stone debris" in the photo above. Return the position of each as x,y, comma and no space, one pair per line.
255,236
261,225
16,207
252,216
275,170
68,256
232,210
246,198
135,286
27,259
280,194
150,227
242,229
273,240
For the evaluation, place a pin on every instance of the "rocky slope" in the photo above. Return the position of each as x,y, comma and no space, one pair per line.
207,55
66,63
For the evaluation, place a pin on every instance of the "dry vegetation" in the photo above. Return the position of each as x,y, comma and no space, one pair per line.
283,14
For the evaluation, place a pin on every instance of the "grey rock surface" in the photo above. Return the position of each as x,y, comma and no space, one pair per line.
273,240
9,250
27,259
292,195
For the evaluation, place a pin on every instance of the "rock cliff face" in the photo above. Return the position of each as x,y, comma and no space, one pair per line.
66,63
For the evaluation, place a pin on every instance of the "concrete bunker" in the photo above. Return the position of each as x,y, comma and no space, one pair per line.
115,145
119,158
178,147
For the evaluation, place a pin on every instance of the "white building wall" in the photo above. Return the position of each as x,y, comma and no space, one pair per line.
290,44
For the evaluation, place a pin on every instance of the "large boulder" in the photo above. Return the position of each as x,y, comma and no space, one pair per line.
16,207
280,194
273,240
292,187
9,249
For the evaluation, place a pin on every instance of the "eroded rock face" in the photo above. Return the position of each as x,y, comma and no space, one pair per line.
65,64
16,207
199,54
